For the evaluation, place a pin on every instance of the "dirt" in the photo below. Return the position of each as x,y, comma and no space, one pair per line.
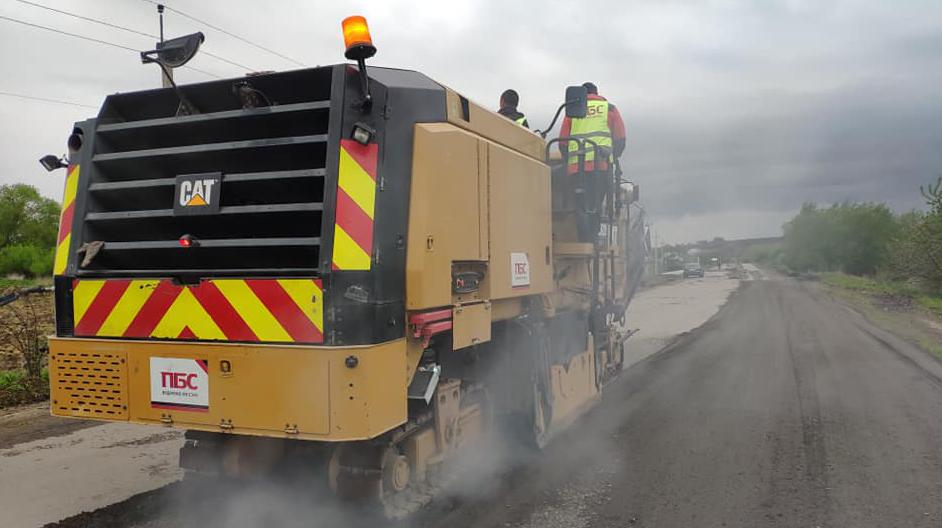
44,304
38,307
896,303
25,423
898,314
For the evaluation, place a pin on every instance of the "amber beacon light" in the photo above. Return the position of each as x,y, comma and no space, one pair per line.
356,37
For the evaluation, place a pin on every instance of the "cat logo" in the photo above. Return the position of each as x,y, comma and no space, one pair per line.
197,194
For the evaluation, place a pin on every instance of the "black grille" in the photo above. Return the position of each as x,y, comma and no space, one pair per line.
272,160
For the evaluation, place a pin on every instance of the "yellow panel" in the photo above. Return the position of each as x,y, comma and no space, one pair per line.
520,222
472,324
90,383
127,307
446,211
493,126
267,388
357,183
348,255
83,295
255,314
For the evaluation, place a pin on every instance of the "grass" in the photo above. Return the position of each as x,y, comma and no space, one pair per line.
11,380
18,284
910,320
932,303
15,388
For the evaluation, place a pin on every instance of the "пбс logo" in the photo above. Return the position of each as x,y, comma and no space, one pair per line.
197,194
178,380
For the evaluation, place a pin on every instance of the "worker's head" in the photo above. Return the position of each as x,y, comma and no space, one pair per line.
591,88
509,99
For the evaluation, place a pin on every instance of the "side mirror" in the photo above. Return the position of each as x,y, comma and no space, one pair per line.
576,105
577,101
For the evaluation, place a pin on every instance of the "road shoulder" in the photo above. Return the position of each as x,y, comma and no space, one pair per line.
25,423
905,320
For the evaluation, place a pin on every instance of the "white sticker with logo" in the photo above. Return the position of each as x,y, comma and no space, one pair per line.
519,270
180,384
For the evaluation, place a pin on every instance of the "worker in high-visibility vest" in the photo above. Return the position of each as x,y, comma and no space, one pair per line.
508,108
602,125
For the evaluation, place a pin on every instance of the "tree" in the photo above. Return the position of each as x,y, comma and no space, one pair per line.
917,249
805,245
851,237
864,233
28,230
26,217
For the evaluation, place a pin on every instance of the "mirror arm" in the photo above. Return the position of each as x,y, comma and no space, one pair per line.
190,107
543,133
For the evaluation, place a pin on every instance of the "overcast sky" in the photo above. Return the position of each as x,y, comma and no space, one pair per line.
737,112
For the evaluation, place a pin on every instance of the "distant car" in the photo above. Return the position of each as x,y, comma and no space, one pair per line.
692,269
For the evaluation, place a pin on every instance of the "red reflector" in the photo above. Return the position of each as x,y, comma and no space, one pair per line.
185,242
188,241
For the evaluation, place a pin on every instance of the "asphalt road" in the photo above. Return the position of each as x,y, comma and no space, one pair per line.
786,409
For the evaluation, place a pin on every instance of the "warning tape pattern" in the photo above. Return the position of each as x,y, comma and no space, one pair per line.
64,239
356,202
263,310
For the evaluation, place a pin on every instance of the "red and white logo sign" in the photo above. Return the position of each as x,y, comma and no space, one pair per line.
180,384
519,270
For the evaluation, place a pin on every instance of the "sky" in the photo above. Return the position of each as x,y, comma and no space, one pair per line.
737,111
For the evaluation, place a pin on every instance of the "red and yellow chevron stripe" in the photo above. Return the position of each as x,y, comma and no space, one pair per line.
65,220
270,310
356,200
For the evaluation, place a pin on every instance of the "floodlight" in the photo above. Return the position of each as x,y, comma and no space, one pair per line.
175,52
51,162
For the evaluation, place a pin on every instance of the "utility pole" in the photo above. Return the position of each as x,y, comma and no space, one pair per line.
166,74
657,260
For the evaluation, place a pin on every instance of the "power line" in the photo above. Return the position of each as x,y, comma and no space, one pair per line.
233,35
87,19
90,39
47,100
127,29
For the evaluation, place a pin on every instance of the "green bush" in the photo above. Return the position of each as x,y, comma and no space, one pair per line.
12,380
917,251
27,260
850,237
16,388
769,254
26,217
28,228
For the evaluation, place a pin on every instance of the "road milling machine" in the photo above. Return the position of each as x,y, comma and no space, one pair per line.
353,270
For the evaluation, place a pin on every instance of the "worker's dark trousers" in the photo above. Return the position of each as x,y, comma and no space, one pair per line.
592,188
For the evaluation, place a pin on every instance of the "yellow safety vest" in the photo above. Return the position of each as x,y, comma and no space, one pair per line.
594,127
520,120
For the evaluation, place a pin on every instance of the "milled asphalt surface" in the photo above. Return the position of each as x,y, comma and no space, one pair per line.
786,409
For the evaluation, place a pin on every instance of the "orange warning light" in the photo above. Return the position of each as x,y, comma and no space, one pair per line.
356,37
